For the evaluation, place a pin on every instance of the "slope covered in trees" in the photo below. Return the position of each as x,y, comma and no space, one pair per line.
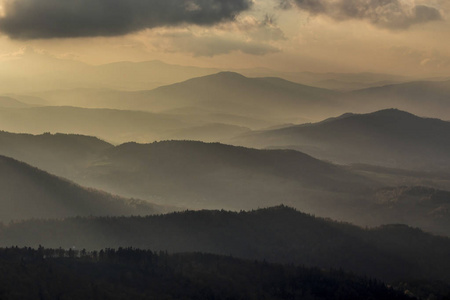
138,274
279,234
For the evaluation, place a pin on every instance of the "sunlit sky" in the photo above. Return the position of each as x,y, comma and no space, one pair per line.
409,37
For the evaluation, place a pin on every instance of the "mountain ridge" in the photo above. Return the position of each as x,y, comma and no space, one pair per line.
390,138
279,234
28,192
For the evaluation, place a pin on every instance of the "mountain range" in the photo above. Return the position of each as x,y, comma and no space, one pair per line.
390,138
268,98
34,71
225,98
221,184
198,175
428,98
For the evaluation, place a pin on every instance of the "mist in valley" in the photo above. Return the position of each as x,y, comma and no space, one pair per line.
200,150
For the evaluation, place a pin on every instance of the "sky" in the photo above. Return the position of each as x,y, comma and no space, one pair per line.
406,37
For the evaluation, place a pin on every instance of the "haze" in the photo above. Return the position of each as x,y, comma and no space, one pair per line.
227,148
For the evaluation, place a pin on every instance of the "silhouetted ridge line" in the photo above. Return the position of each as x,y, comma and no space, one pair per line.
278,234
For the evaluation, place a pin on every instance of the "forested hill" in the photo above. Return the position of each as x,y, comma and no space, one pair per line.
278,234
137,274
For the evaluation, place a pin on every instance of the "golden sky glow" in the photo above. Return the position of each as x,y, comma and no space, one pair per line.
294,39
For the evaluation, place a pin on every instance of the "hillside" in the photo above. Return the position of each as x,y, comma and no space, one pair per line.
390,138
111,125
428,207
28,192
331,80
208,133
233,93
428,98
278,234
37,72
9,102
61,154
197,175
139,274
200,175
271,99
119,126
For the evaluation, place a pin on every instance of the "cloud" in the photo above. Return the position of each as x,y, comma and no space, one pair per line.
390,14
247,34
35,19
265,29
210,43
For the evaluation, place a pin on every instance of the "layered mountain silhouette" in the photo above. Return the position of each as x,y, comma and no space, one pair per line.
40,72
8,102
230,92
389,137
224,92
31,67
209,132
120,126
428,98
278,234
200,175
27,192
61,154
112,125
426,207
331,80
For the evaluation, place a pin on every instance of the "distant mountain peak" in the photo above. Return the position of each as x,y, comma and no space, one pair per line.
385,113
391,112
227,75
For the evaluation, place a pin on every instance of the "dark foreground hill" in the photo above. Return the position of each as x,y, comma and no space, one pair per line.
279,234
138,274
27,192
391,138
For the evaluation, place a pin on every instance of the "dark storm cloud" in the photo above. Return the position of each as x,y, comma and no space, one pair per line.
391,14
31,19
